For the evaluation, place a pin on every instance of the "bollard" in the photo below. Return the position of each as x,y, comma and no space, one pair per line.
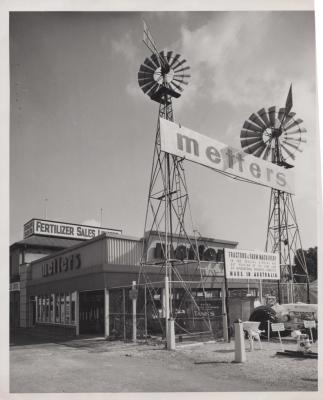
170,334
240,352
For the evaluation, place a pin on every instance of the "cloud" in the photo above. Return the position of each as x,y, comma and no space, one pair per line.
240,59
126,47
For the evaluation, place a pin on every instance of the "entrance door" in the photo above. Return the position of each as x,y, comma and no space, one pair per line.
92,312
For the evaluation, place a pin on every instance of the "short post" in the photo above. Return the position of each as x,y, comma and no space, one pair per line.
106,313
124,313
224,314
77,313
134,313
281,343
170,334
240,352
268,331
170,323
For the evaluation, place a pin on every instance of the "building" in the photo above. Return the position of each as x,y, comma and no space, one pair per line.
71,285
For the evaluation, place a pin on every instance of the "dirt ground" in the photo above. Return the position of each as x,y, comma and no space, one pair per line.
90,365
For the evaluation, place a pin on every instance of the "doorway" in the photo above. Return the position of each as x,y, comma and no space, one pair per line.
92,312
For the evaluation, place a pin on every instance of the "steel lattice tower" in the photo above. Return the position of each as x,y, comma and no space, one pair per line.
275,135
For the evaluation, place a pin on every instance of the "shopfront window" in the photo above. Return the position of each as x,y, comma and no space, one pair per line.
62,309
58,309
67,309
73,303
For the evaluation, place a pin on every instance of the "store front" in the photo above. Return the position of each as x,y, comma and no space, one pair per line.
85,289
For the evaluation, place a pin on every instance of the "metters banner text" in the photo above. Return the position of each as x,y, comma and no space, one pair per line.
193,146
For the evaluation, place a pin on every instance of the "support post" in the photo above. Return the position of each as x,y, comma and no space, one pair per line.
226,297
224,314
170,323
106,313
37,316
77,312
134,314
124,313
239,349
146,334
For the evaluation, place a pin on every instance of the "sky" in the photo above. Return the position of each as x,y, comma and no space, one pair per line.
82,131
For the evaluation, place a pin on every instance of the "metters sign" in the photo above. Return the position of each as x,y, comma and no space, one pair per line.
249,264
193,146
63,229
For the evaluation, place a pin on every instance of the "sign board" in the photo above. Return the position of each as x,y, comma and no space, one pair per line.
309,324
249,264
278,327
193,146
64,229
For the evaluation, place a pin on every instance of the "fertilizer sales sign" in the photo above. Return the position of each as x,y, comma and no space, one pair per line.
249,264
204,150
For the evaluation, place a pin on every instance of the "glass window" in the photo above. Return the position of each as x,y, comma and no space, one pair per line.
73,303
67,309
62,308
58,309
52,308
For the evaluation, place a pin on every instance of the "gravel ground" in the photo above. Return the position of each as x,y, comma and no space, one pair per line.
94,365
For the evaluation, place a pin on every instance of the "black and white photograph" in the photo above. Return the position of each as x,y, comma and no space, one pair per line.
164,200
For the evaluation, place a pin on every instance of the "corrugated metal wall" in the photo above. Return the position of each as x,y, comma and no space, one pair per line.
123,251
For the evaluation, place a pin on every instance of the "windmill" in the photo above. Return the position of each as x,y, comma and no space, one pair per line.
163,77
276,135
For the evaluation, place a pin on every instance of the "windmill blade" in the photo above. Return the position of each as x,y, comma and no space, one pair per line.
272,115
183,69
149,65
249,141
281,114
293,146
144,75
258,152
295,123
255,119
157,60
287,119
253,148
180,81
295,139
148,86
172,83
299,130
174,60
290,154
182,76
247,134
169,56
178,65
147,69
263,115
251,127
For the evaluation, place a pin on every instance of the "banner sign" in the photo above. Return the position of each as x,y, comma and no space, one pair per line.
63,229
249,264
278,327
309,324
193,146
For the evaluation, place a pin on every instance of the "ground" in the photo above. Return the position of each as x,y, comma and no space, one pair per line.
94,365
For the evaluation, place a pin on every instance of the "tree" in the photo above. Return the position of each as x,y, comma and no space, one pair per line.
311,262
